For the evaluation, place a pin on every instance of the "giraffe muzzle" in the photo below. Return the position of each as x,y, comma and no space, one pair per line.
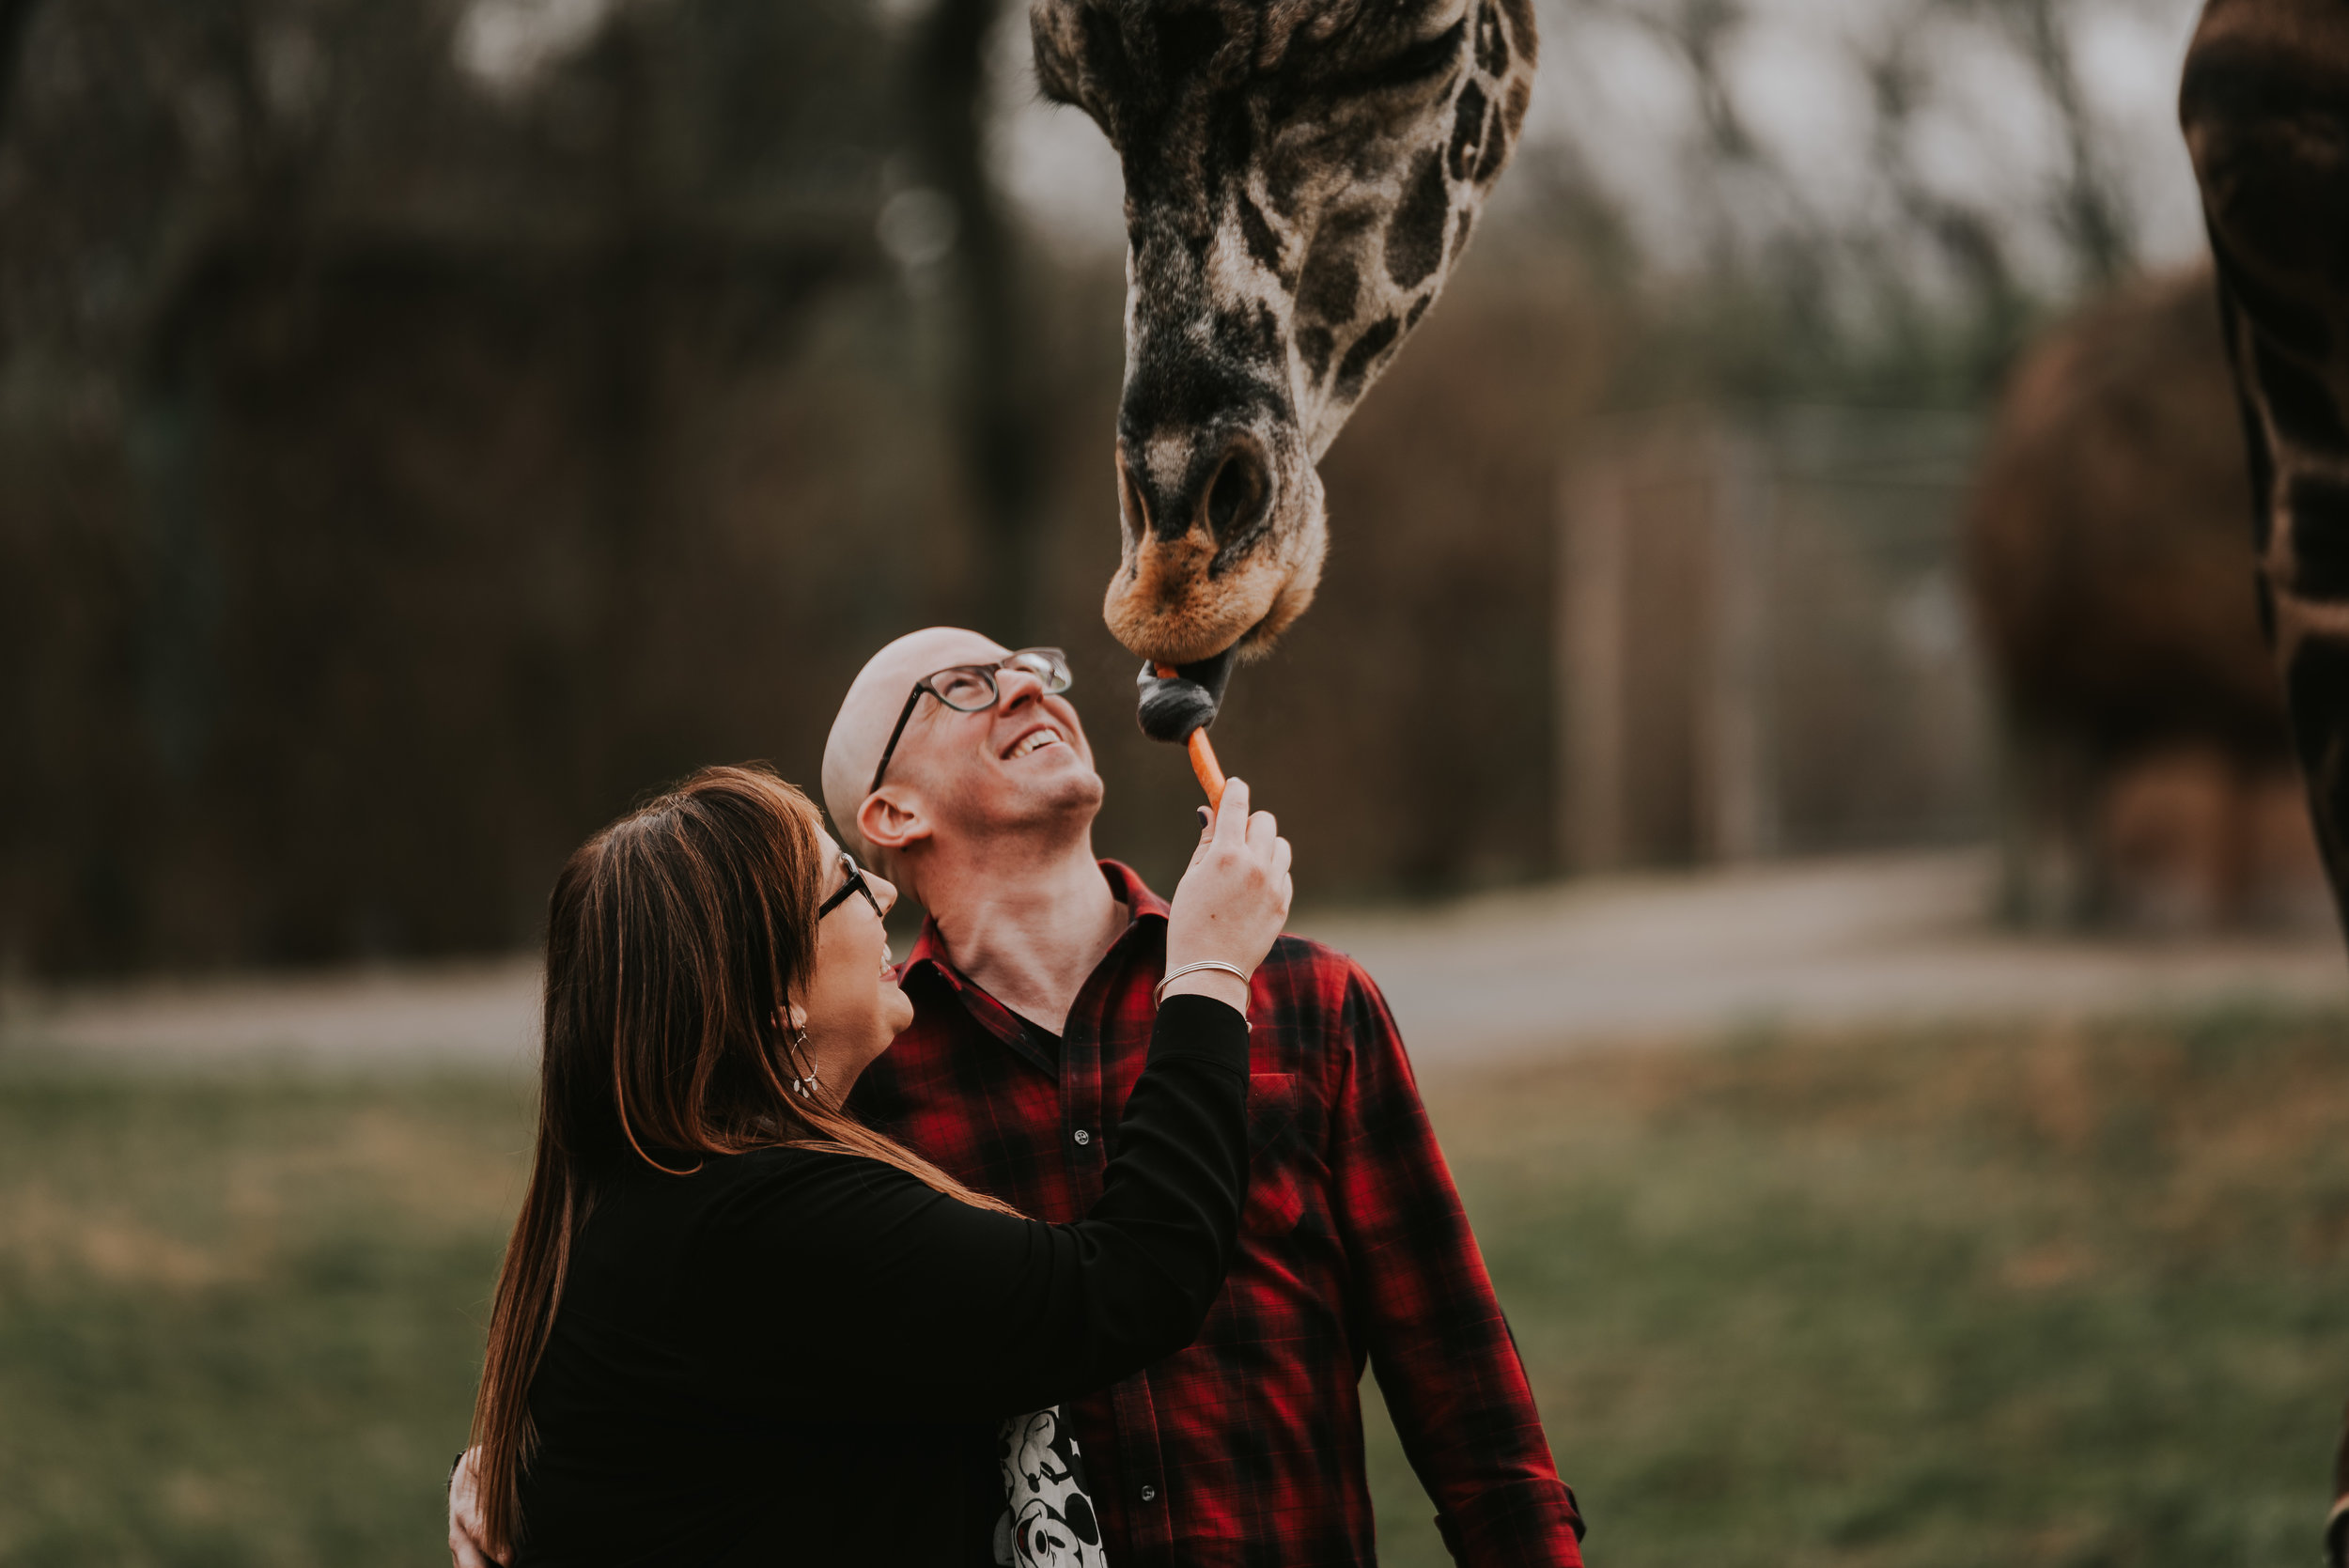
1222,545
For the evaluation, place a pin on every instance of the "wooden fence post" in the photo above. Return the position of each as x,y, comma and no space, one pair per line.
1589,638
1737,785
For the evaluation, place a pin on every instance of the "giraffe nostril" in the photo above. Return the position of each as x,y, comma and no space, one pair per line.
1235,499
1133,508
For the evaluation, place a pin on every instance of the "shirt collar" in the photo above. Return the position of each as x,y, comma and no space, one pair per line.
929,954
1133,891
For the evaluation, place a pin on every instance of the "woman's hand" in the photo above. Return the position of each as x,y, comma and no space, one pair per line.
465,1546
1232,902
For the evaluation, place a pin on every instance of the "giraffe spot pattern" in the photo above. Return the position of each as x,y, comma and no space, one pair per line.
1520,99
2316,691
1330,287
1104,54
2289,321
2319,509
1492,44
1496,148
2297,401
1314,345
1520,14
1230,145
2262,492
1368,350
1249,334
1262,243
1186,43
2261,465
1468,130
1415,238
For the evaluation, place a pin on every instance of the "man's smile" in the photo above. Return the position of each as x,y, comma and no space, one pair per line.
1033,741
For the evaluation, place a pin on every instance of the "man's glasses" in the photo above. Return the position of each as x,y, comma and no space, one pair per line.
856,883
971,689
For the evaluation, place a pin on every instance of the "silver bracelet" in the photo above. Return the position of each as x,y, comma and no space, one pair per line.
1158,998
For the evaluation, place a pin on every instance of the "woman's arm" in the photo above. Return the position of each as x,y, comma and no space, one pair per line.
836,1283
841,1284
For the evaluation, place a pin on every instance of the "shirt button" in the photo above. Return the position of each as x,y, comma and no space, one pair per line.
1149,1493
1082,1137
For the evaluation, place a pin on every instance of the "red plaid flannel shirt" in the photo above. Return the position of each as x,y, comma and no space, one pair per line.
1246,1448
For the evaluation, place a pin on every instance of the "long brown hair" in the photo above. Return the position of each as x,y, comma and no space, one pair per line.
676,939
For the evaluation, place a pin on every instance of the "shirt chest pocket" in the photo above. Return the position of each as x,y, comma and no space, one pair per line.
1276,1193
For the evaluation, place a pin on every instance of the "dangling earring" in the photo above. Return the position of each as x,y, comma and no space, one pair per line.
803,1087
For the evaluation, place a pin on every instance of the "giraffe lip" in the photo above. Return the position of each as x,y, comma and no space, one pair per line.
1215,671
1169,709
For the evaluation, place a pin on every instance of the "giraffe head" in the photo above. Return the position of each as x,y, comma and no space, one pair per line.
1301,176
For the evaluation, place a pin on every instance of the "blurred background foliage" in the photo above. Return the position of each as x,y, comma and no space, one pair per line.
425,425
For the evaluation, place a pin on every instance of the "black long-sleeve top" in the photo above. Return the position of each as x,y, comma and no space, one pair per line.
793,1357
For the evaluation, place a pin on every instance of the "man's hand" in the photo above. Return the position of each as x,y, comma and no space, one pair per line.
465,1530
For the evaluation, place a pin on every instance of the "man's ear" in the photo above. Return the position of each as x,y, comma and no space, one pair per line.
890,821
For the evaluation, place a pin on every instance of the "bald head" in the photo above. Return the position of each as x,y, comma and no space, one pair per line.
870,710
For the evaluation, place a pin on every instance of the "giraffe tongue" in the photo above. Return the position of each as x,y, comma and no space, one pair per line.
1171,709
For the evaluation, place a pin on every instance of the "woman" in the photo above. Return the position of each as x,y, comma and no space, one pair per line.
736,1326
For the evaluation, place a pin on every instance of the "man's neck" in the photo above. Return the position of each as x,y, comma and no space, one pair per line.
1029,932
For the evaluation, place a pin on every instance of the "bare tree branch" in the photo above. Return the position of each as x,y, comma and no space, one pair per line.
2090,210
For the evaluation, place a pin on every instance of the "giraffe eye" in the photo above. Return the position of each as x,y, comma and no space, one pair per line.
1421,61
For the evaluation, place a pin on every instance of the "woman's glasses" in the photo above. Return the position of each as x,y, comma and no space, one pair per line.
855,883
971,689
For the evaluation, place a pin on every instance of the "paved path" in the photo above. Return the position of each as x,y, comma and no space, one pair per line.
1895,938
1875,939
473,1014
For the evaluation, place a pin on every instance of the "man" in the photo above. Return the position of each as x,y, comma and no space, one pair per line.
1031,986
963,771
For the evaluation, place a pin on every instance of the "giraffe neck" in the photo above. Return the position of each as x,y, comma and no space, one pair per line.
2266,110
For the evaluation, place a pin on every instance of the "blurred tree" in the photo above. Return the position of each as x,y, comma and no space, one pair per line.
1967,237
370,421
994,369
14,17
2087,205
1773,261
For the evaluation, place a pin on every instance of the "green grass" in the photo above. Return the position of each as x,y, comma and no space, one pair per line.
2062,1295
240,1321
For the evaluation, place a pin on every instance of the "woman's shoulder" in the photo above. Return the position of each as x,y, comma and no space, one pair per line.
778,1215
712,1185
802,1162
805,1185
